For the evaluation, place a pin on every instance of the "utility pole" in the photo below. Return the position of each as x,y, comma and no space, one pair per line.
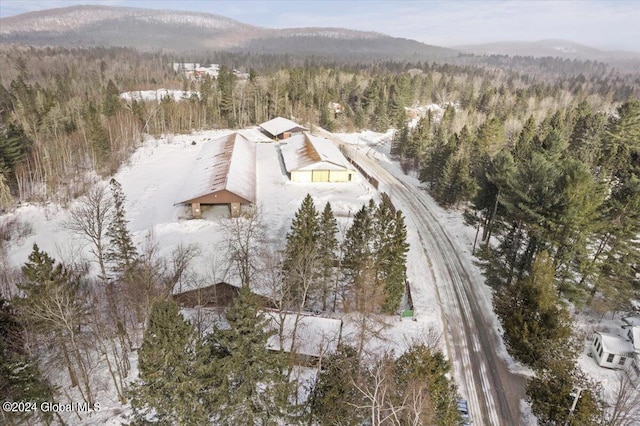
573,406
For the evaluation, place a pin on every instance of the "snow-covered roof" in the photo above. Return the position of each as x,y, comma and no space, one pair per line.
307,152
616,344
254,134
633,320
279,125
634,333
227,163
315,336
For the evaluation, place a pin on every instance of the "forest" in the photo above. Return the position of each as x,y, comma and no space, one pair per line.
541,155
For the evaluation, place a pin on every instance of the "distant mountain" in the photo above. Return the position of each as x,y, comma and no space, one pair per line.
554,48
181,32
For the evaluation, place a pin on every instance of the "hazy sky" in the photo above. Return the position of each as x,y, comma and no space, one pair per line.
607,24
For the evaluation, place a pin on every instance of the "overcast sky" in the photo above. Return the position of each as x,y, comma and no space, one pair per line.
606,24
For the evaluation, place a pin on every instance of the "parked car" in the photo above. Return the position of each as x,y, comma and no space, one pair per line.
463,409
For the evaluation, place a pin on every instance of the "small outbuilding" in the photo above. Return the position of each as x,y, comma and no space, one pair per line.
281,128
309,158
612,351
219,295
223,173
309,337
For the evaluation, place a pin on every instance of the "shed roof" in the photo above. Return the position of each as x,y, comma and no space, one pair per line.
315,335
635,337
306,151
279,125
632,320
616,344
227,163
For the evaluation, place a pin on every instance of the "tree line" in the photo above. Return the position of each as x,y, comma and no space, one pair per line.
61,118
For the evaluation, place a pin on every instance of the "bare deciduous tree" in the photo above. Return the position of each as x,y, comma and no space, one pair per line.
625,410
89,220
245,236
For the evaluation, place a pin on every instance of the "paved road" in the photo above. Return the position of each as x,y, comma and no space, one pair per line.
493,392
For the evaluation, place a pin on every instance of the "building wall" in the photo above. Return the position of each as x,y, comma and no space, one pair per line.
301,176
307,176
341,176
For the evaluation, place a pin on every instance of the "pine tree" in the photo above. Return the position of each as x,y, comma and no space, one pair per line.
97,135
253,388
20,377
334,395
327,252
112,99
358,258
396,276
54,305
302,263
422,374
552,392
537,327
389,253
169,385
121,252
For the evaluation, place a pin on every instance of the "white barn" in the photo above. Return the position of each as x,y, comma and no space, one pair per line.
309,158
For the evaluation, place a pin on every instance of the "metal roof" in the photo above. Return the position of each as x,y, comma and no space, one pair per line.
227,163
615,344
309,152
314,335
279,125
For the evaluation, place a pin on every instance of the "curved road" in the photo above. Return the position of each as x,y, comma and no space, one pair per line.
492,391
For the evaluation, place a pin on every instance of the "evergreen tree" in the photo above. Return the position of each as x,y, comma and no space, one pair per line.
553,390
537,328
358,258
121,252
97,136
334,395
20,377
327,252
253,389
112,99
54,306
169,385
390,248
425,374
302,262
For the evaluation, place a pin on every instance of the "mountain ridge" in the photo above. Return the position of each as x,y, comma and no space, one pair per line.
183,31
546,47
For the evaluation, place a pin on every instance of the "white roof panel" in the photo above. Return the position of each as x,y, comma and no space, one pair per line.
315,336
616,345
308,152
280,125
226,163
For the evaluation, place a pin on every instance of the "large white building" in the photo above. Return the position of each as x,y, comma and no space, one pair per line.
309,158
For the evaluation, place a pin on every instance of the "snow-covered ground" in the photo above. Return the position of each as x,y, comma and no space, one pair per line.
158,95
152,180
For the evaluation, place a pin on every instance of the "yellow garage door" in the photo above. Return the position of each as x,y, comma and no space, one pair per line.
320,176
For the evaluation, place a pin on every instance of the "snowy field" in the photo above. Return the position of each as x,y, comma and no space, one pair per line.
152,181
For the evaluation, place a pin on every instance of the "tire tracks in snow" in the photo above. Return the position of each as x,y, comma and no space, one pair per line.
493,392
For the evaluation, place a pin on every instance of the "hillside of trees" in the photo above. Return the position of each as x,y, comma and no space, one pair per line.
543,156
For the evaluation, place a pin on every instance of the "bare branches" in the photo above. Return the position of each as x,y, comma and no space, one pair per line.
90,219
